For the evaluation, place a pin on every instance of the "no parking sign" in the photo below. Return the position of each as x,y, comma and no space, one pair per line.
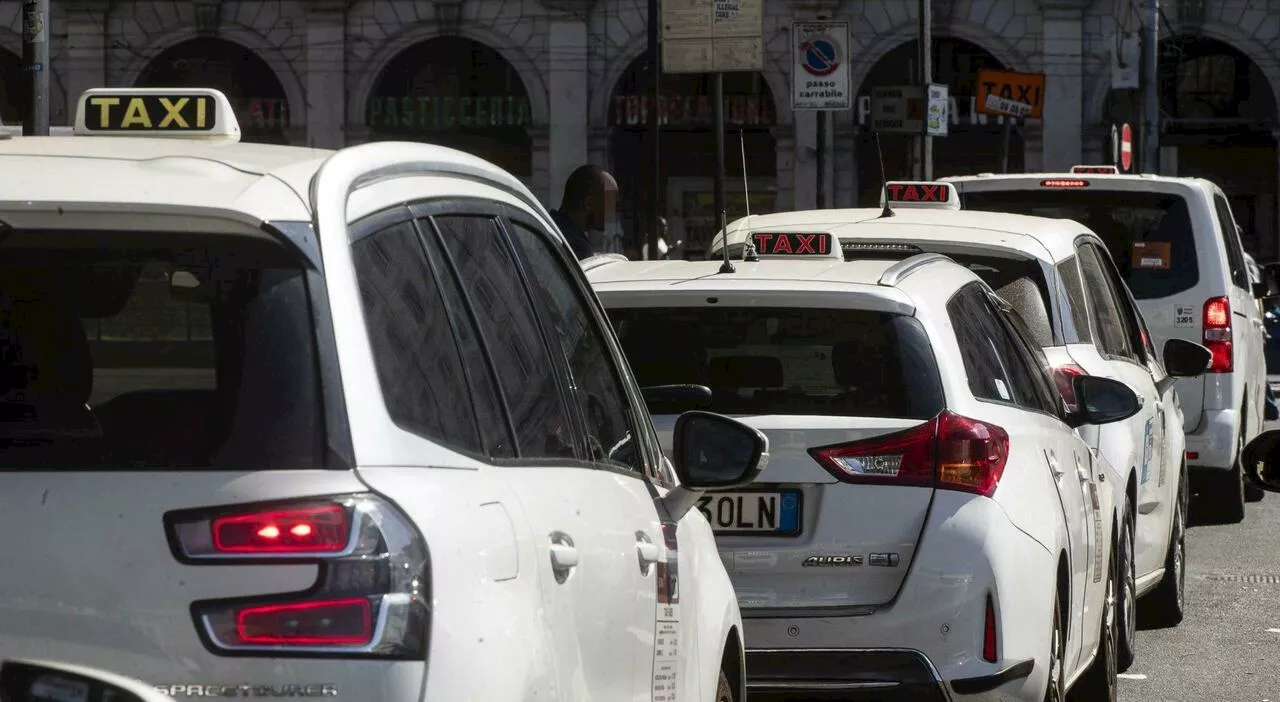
820,77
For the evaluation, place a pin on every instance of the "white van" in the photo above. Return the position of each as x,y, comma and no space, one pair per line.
1178,248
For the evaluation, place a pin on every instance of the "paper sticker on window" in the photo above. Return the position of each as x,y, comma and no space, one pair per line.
1184,316
1002,389
1150,254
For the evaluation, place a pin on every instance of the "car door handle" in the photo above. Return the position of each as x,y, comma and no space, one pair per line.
564,555
648,552
1053,465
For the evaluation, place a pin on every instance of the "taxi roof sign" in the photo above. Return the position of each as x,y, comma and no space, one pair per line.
1099,170
182,113
920,193
794,245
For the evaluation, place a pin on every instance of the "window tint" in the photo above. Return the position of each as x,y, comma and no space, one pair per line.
482,258
784,360
1069,278
1024,351
419,367
1231,240
978,334
156,351
1113,339
1148,234
611,436
1130,317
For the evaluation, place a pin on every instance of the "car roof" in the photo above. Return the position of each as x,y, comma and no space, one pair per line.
1125,178
1038,237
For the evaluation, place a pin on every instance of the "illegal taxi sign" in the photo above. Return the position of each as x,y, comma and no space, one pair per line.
795,245
185,113
918,193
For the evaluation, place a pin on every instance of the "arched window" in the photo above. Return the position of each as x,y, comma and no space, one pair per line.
13,93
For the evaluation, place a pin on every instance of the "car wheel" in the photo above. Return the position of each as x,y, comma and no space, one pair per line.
724,691
1099,682
1231,498
1167,601
1128,594
1054,690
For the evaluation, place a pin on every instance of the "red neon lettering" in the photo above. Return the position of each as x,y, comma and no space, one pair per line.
822,243
804,243
932,193
762,243
784,242
895,191
909,194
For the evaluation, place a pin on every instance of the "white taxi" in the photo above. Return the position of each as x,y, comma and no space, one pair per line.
1059,276
283,422
1177,247
931,526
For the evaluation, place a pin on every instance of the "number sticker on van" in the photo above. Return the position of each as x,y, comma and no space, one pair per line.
1184,316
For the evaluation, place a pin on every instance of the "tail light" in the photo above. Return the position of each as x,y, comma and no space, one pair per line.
1217,334
371,594
1062,376
1064,183
989,634
949,452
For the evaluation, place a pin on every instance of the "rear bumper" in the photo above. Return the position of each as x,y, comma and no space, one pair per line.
1214,441
886,675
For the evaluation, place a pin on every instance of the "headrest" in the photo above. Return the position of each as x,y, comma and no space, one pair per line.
746,372
863,362
46,356
1024,297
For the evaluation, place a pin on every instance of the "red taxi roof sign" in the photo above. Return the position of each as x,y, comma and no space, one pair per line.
920,193
1099,170
795,245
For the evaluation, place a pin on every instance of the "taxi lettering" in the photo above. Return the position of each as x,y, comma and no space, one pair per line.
923,192
150,113
791,244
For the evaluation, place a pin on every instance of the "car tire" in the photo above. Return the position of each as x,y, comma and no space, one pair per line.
1167,601
1055,685
1127,602
1099,683
724,691
1229,498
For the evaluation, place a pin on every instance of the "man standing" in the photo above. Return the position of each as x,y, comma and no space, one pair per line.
587,210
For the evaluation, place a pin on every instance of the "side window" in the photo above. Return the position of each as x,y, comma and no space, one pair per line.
984,349
611,435
528,380
1069,277
1231,239
1113,340
1130,317
1045,391
417,358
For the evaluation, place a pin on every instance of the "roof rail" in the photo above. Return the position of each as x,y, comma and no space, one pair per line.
895,273
596,260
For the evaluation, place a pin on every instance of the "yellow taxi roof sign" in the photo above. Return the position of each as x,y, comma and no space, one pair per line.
183,113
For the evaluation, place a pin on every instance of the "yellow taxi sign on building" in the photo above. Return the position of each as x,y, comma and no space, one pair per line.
185,113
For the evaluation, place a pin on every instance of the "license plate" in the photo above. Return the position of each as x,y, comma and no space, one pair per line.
775,512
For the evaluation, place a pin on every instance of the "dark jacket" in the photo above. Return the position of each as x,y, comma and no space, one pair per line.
573,233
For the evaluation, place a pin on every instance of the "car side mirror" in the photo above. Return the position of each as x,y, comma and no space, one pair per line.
1102,400
674,399
45,681
712,452
1261,460
1185,359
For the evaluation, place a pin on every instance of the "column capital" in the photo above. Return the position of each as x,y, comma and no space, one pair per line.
569,9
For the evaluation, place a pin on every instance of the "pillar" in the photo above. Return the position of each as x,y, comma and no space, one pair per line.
1063,44
326,88
785,150
567,96
86,64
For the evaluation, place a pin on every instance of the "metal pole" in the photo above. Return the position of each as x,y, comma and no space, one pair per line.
655,128
1150,162
717,115
35,62
1005,132
926,75
821,190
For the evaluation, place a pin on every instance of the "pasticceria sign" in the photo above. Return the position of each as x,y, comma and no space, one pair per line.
436,113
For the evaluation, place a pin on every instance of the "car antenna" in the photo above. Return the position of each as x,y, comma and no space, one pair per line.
748,251
884,181
725,267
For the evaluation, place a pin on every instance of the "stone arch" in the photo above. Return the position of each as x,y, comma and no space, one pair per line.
602,92
236,34
371,72
12,91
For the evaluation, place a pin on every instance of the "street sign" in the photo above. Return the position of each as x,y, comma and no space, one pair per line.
712,36
1126,148
939,106
1010,93
820,77
898,109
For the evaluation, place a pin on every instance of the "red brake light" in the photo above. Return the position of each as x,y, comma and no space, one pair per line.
949,451
326,623
1062,376
989,634
1217,334
325,529
1064,183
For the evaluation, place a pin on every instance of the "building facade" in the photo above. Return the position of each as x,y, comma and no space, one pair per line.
541,86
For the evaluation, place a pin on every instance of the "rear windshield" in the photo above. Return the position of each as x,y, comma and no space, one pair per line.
153,351
792,361
1148,234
